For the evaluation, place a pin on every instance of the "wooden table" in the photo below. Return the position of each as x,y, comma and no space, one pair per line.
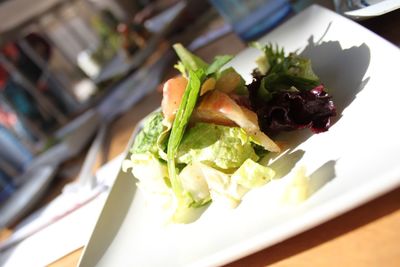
366,236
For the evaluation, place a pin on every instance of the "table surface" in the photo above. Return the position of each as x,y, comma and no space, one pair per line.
366,236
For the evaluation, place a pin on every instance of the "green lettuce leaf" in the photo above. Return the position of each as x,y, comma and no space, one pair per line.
151,173
188,61
146,140
221,147
218,63
283,72
179,125
206,183
193,181
251,174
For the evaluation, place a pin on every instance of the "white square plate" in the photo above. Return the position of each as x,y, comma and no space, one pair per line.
355,161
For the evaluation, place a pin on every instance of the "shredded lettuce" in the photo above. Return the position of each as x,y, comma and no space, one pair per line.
251,174
218,146
193,181
150,171
205,183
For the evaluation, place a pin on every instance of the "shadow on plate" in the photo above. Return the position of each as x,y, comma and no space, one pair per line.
320,177
341,70
284,163
343,73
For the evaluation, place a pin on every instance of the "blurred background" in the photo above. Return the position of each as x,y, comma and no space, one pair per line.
60,60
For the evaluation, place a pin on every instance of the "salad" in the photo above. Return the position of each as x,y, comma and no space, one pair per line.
206,142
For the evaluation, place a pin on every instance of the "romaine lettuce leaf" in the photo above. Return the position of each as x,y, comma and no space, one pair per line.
150,171
218,146
205,183
146,140
251,174
193,181
152,179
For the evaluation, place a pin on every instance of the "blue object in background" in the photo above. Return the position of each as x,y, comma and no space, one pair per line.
6,187
251,19
12,152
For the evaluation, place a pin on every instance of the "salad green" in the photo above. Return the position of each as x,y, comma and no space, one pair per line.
178,128
282,72
187,163
287,95
205,145
146,139
221,147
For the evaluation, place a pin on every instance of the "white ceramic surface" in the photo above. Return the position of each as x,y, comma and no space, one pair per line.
355,161
376,8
